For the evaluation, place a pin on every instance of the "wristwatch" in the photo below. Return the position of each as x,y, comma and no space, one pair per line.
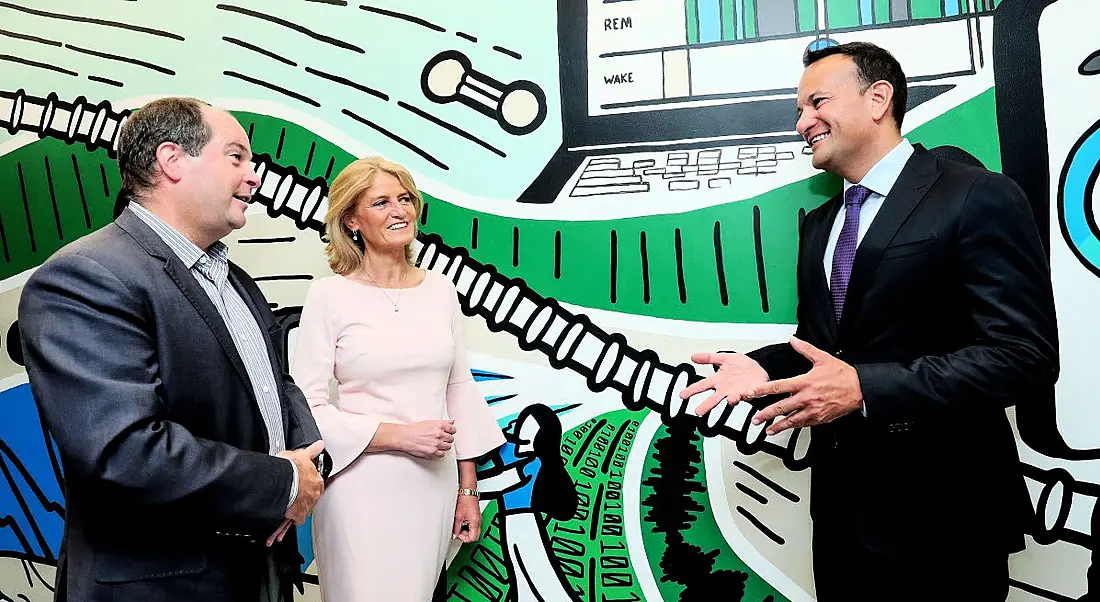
470,492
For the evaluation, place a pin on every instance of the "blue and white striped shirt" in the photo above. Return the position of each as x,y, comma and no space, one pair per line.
211,271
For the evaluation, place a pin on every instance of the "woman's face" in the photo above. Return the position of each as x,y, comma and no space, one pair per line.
384,215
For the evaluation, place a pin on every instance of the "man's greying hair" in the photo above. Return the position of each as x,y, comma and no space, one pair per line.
175,119
872,64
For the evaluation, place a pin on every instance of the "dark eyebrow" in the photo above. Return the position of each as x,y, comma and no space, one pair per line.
238,146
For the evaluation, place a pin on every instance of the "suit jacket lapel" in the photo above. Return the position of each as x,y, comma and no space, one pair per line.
156,247
913,183
820,298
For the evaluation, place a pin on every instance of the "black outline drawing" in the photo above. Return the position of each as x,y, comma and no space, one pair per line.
483,93
292,26
96,126
103,22
758,119
508,304
569,341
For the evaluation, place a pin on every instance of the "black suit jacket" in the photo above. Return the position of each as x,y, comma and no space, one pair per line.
160,436
949,320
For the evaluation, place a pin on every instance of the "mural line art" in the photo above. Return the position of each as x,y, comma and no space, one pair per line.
577,345
651,122
527,478
1076,191
518,107
646,86
568,340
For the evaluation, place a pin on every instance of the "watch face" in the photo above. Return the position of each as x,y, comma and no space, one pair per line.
324,467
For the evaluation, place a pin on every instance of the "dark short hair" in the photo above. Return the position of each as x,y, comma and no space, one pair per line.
173,119
873,64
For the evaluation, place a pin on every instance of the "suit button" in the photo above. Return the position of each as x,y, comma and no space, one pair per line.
839,352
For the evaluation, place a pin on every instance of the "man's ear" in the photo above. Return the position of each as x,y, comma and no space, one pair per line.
171,160
882,98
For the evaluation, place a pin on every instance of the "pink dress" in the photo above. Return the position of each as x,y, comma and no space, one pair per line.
383,525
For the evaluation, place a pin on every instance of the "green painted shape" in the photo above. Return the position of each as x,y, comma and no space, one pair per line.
978,136
750,19
882,11
25,169
925,9
701,530
807,15
842,13
729,20
586,245
586,275
29,229
691,16
290,144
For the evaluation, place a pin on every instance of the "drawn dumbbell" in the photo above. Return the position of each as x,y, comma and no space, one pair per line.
519,107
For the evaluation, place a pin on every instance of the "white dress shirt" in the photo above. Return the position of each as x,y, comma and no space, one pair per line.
879,180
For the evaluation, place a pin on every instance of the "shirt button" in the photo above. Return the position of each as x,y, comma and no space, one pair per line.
267,389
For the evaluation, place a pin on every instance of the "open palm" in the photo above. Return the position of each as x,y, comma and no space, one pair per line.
737,374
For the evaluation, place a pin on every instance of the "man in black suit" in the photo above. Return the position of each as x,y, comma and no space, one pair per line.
924,311
189,454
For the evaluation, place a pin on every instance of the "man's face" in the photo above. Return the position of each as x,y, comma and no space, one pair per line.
835,115
220,180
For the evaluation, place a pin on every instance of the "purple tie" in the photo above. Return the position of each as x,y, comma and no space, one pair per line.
846,244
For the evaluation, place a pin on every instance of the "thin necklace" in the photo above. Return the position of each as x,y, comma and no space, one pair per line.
400,289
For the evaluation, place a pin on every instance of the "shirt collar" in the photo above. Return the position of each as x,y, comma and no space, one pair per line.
882,176
187,252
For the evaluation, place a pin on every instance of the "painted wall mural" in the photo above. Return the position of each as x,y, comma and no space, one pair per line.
612,186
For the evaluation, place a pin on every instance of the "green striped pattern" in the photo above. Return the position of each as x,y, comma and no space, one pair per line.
729,20
842,13
691,15
807,15
882,11
46,205
750,18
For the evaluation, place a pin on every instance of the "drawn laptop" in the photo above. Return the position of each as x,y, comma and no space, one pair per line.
683,95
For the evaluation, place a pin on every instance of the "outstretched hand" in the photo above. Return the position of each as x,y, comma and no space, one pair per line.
828,391
737,374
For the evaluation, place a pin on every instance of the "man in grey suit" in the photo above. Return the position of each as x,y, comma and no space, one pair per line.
189,453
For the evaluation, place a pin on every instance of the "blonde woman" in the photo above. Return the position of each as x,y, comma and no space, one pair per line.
409,420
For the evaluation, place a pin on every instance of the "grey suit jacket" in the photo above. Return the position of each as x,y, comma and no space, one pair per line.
161,440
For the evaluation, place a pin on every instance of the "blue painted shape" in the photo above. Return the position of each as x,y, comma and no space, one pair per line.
36,531
481,375
710,20
305,542
820,43
1076,201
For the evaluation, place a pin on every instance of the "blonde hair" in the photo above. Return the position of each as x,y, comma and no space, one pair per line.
344,254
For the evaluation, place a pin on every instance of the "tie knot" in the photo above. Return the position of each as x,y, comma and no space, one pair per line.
856,194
